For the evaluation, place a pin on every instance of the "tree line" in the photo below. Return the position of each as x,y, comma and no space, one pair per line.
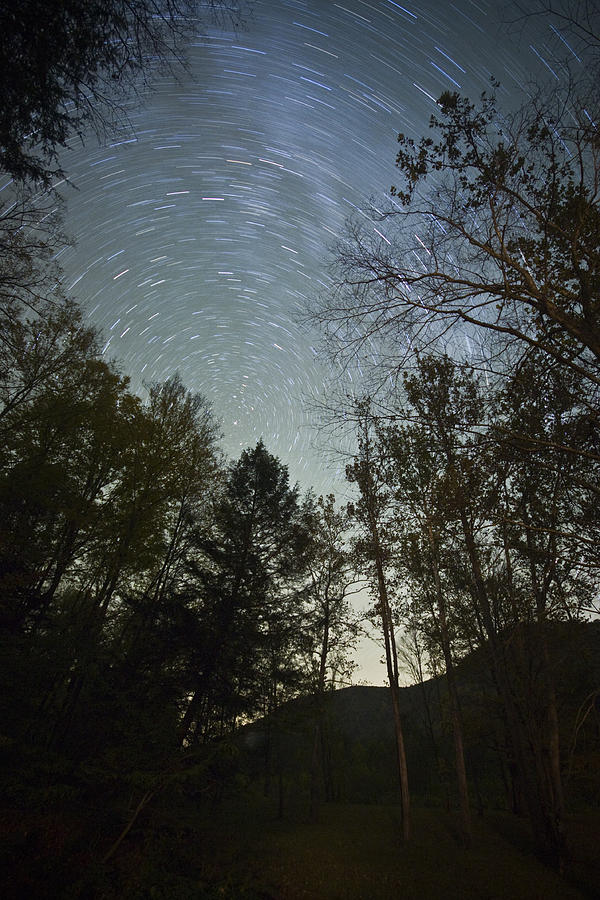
155,596
478,430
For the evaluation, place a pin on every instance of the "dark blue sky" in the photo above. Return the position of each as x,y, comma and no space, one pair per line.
201,236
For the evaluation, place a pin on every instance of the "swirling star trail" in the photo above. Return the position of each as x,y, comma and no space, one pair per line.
200,234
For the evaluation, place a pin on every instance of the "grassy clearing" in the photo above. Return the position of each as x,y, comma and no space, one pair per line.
239,852
354,854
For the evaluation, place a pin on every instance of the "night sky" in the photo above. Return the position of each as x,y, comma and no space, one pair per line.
200,236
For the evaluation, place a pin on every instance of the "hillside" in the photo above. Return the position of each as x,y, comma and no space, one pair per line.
240,822
359,760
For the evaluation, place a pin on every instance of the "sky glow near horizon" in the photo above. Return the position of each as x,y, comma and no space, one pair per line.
200,236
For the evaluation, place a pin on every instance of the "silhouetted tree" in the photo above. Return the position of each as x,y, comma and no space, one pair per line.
490,239
329,625
254,560
425,545
370,514
449,406
67,66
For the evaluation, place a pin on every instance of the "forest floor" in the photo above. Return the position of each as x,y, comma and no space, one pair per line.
352,853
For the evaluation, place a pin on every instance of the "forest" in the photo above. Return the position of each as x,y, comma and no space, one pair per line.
178,716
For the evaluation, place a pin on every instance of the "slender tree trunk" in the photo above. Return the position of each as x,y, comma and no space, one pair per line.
316,768
455,713
548,749
546,832
366,485
391,657
188,717
429,719
280,795
459,755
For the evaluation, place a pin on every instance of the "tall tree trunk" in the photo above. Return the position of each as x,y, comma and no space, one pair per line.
316,777
429,718
317,758
455,713
391,658
546,832
366,485
548,749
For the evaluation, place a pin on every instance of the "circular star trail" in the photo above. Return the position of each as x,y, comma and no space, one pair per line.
202,233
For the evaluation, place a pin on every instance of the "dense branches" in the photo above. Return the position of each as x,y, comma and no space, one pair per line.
66,67
482,531
142,577
491,243
484,536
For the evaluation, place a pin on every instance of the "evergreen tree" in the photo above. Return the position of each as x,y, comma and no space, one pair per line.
253,563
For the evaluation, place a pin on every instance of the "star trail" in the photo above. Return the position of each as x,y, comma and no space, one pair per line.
202,231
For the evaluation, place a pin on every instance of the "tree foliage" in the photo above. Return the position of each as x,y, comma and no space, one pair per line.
472,304
67,67
482,544
490,240
152,594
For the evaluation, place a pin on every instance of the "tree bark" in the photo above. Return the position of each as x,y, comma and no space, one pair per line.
365,483
455,713
391,658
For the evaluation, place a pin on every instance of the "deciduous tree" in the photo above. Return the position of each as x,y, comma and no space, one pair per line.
370,514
